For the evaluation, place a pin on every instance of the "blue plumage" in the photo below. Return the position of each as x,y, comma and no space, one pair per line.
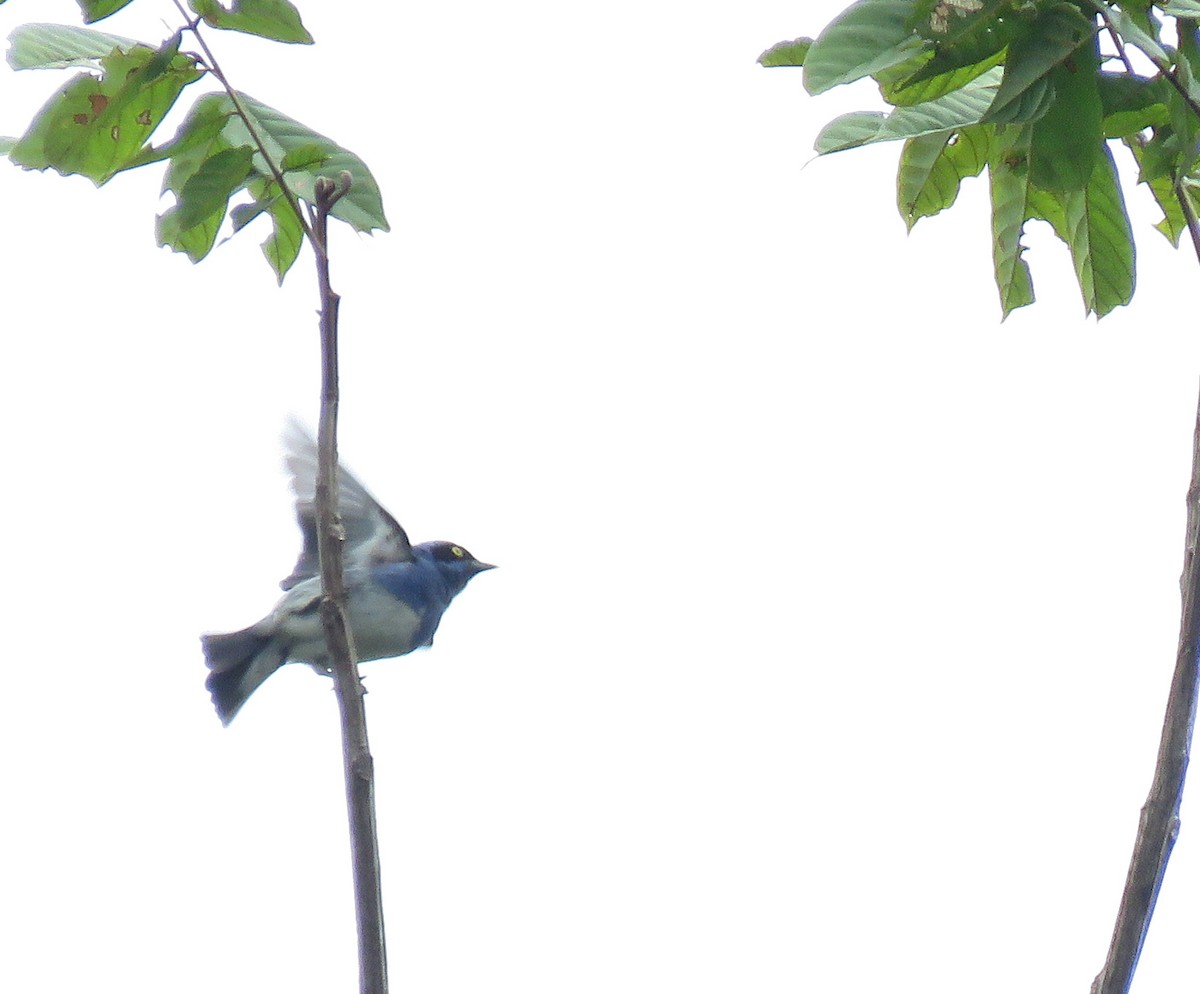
396,592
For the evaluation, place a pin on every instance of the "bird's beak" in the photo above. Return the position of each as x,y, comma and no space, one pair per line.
480,567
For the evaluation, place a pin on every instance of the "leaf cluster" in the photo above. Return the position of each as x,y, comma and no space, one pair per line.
232,156
1037,93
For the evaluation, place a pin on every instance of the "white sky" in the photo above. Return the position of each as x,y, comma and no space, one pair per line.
835,619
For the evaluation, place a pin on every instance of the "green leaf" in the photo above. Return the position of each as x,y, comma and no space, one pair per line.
1008,169
278,20
1131,103
786,53
1067,140
1056,36
960,23
197,241
96,127
1094,224
1161,183
198,140
283,244
97,10
198,137
1182,8
361,208
212,184
867,37
933,167
6,144
920,87
956,110
307,156
966,44
60,46
243,214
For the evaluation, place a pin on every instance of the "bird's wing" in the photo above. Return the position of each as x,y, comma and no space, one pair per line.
372,535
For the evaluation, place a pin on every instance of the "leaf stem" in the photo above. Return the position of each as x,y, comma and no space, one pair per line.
214,67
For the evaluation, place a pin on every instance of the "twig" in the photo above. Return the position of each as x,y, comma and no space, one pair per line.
1120,43
358,766
214,67
1168,73
1158,824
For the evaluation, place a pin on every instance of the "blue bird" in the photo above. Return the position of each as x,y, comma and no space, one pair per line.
396,592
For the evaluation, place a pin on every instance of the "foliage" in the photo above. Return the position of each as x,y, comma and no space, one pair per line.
1035,92
232,155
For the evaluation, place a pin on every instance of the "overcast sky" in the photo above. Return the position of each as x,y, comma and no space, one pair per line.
834,621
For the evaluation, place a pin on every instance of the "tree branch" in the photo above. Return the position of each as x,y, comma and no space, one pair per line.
358,766
1158,825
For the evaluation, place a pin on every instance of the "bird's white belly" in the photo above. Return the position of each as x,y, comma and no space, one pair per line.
382,627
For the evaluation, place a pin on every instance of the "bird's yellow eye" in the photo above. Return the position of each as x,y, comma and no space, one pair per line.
457,551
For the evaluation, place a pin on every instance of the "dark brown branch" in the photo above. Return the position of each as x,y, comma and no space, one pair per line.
1159,822
1120,44
358,766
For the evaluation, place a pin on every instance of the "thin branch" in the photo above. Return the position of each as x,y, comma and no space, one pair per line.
1120,43
1158,824
214,67
1165,68
358,766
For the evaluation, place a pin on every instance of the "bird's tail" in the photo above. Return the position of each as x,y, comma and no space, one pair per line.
239,662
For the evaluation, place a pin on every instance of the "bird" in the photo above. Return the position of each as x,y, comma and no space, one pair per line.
396,592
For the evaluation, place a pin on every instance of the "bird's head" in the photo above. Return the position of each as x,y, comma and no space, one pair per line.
453,562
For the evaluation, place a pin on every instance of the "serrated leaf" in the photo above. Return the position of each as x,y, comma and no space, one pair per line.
933,167
96,127
1008,169
1056,36
278,20
97,10
361,208
60,46
786,53
867,37
963,107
